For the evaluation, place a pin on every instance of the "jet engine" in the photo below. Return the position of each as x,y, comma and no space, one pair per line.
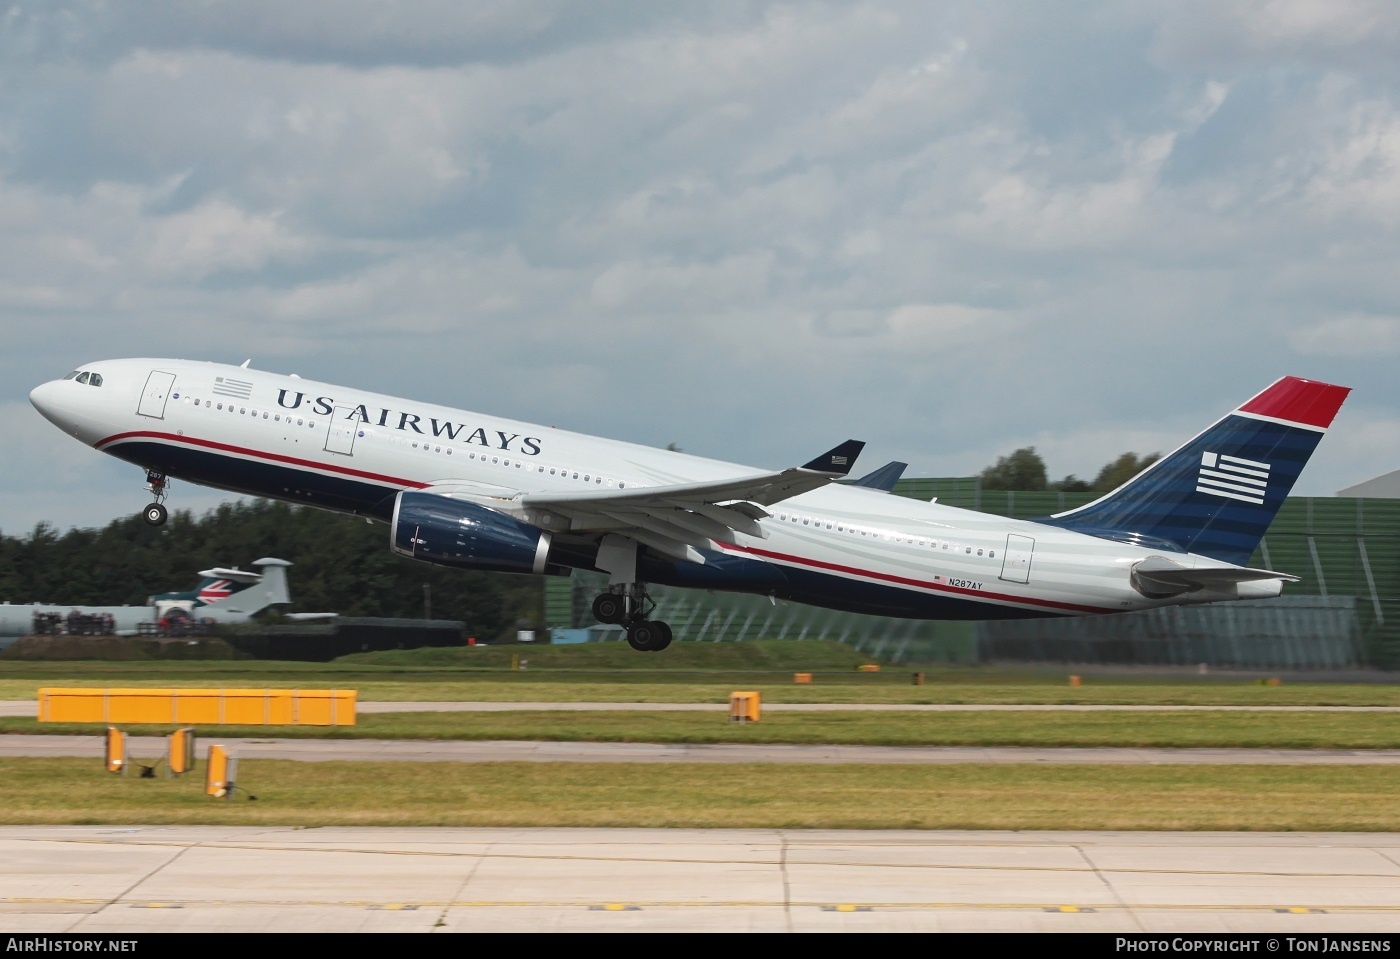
449,532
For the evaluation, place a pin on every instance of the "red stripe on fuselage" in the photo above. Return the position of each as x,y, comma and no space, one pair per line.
261,454
906,581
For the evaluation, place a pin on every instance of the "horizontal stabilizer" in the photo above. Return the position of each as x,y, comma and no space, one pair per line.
237,575
1158,577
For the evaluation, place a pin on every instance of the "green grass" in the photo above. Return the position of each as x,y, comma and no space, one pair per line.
1272,798
687,672
1206,729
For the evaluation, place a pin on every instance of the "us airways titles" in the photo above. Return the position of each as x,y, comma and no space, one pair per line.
444,429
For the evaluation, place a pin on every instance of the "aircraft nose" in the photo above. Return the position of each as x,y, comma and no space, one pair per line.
44,398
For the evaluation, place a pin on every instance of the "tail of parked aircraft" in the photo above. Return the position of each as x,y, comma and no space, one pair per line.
1217,495
218,586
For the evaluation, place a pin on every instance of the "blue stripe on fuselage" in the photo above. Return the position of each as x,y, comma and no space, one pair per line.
258,478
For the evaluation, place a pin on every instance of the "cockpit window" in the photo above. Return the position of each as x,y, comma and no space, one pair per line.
71,375
82,377
96,380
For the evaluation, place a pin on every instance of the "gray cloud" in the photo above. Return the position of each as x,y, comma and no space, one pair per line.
748,228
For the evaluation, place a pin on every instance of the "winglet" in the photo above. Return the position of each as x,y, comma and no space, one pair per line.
837,461
883,478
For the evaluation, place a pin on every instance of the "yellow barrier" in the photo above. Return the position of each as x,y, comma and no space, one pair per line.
802,678
203,707
869,668
744,707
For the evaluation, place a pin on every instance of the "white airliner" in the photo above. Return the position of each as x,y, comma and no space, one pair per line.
481,492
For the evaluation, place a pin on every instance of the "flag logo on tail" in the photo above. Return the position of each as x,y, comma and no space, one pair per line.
215,591
1233,477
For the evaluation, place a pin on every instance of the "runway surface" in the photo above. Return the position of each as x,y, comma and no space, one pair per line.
105,879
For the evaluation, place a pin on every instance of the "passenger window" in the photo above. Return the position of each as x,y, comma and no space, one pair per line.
598,480
991,554
264,414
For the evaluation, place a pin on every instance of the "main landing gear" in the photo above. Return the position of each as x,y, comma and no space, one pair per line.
629,608
156,483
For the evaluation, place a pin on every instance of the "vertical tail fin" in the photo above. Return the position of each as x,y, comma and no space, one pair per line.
1217,494
273,588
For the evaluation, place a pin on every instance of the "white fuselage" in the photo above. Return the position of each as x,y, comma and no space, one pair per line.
341,448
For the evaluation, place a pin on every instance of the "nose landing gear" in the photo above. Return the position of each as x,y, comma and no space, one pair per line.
156,483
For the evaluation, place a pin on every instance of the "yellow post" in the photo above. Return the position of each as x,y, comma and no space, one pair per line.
180,756
744,707
1074,680
116,751
918,679
218,774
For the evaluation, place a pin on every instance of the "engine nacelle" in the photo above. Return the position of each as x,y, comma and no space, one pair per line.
449,532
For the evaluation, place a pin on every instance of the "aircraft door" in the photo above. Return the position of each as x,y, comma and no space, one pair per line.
340,436
156,393
1016,561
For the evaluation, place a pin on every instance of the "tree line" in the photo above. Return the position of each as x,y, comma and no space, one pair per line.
1025,470
340,564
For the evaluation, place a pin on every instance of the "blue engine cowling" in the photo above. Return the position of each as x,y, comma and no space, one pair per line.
449,532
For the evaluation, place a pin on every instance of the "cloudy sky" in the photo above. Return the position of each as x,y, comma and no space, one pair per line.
751,229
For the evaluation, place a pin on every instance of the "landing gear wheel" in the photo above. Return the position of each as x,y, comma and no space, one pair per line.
642,635
156,514
663,636
609,608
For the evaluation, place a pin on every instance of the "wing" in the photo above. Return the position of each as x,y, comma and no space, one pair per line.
677,519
